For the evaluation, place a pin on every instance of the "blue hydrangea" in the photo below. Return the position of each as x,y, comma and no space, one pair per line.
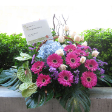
48,48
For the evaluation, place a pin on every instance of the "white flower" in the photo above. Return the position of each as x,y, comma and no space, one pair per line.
95,53
66,28
60,52
23,57
77,38
61,39
82,38
82,59
84,44
73,34
62,67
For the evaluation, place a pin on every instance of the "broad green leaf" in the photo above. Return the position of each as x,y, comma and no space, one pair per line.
32,101
35,100
24,77
74,98
9,78
42,100
10,82
16,85
26,65
23,57
50,95
28,89
104,81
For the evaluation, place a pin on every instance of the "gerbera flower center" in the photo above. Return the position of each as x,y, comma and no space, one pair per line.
66,78
54,61
90,65
70,50
38,67
72,60
88,79
43,80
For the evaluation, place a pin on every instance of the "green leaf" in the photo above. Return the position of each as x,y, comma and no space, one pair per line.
9,83
35,100
50,95
102,79
23,57
42,99
108,78
74,98
28,89
24,77
16,85
9,78
32,101
26,65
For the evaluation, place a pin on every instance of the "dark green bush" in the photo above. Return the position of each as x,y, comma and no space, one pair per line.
10,47
102,40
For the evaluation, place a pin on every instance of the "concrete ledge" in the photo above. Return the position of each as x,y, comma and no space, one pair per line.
12,101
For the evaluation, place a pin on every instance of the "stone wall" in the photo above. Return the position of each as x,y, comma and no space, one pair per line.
12,101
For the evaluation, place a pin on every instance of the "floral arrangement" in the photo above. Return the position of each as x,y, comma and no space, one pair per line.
66,65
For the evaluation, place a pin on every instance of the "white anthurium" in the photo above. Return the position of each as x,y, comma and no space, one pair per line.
23,57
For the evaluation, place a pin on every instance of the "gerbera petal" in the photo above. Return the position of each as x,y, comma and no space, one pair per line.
65,78
54,60
72,60
37,67
43,80
70,48
89,79
91,65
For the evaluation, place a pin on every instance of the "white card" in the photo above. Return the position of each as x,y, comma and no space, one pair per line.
37,31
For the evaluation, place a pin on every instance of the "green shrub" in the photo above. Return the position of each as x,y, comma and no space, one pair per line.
102,40
10,47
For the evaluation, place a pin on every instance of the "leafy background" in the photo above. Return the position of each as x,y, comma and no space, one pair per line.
10,47
102,40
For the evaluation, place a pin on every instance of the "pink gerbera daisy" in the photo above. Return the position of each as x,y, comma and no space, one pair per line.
72,60
54,60
65,78
80,52
89,79
43,80
91,64
70,48
37,67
